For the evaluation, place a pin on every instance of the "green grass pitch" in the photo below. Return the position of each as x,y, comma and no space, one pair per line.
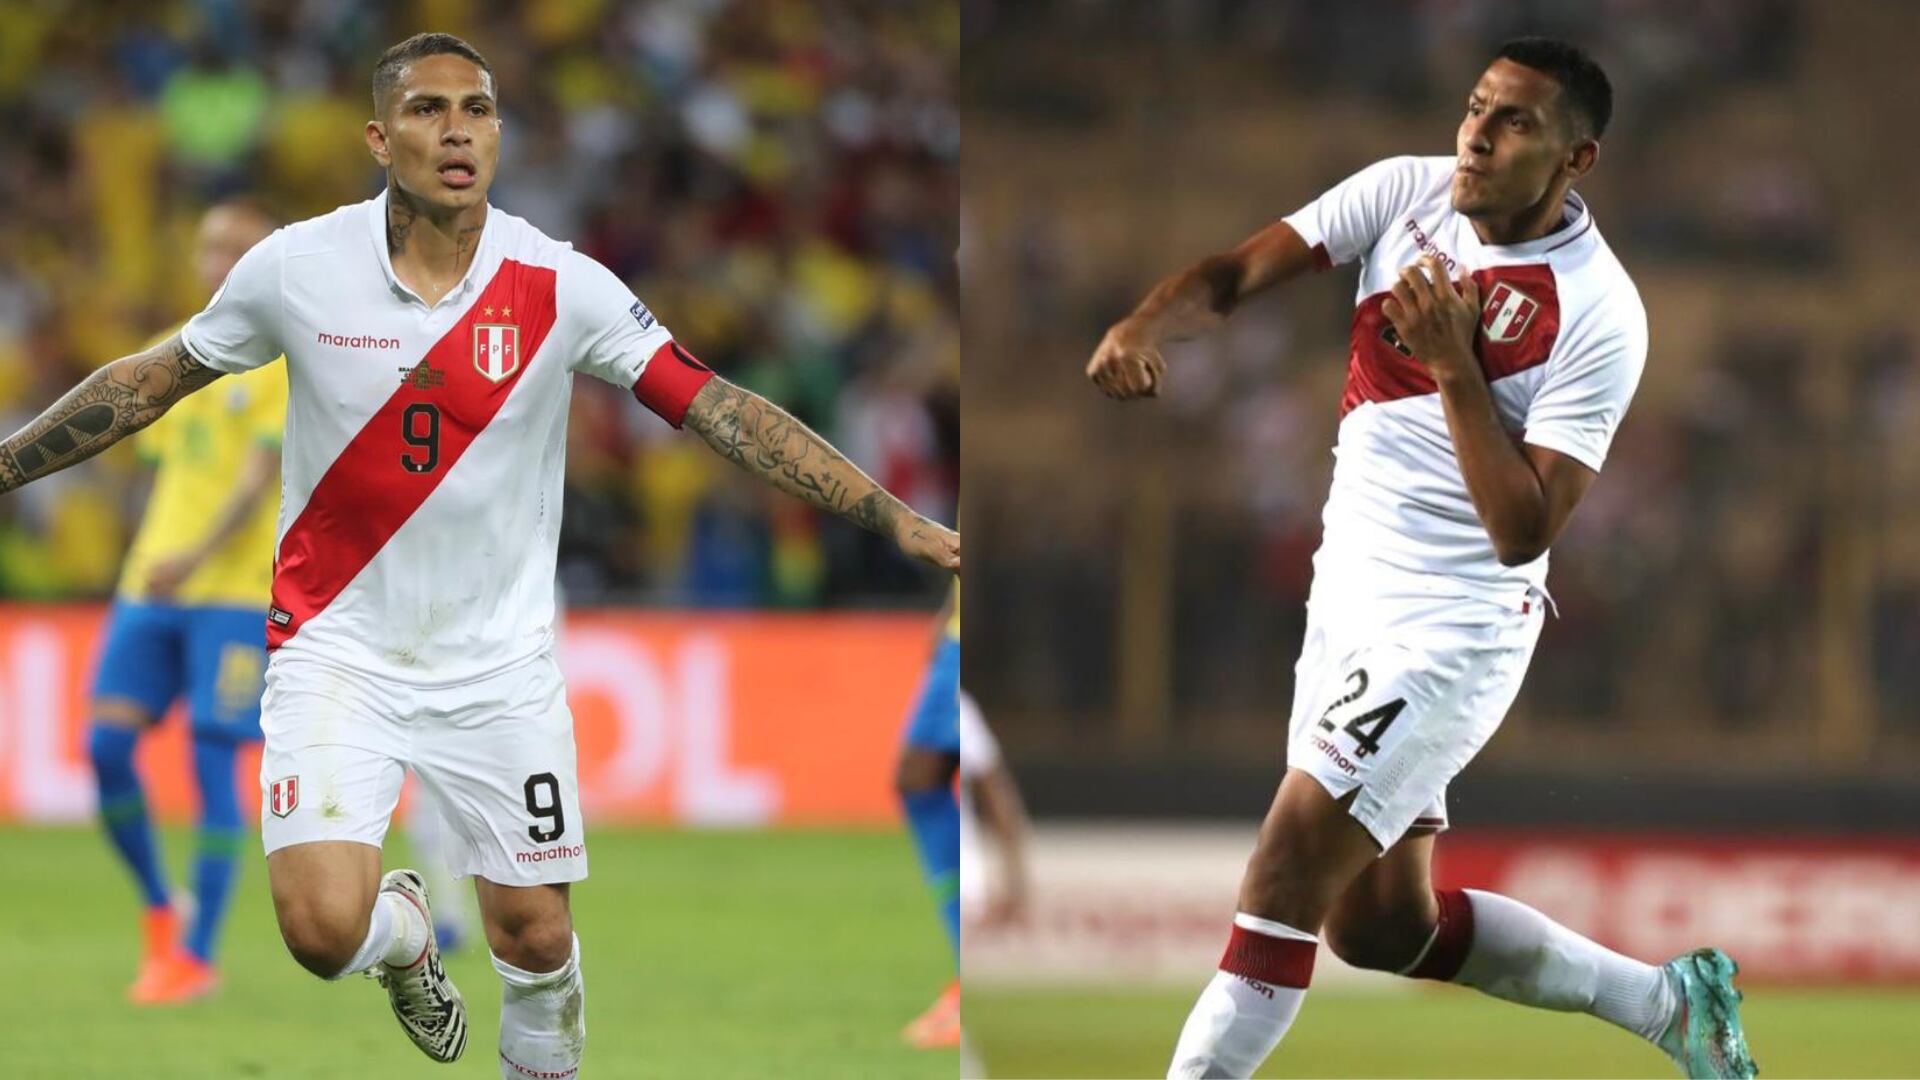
712,954
1437,1032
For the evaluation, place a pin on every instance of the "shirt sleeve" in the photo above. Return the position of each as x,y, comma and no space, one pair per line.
1345,222
618,334
239,330
624,344
1587,389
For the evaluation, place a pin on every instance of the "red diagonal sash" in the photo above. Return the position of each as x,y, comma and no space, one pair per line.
373,487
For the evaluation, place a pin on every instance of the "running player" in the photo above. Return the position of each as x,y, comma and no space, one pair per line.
1495,346
186,623
431,342
929,757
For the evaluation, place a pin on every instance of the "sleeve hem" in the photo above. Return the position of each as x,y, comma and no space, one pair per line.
1548,440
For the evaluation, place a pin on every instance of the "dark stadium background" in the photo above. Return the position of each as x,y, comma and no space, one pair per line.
1719,728
779,182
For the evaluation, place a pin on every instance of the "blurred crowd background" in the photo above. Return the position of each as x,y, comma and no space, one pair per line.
1742,586
779,182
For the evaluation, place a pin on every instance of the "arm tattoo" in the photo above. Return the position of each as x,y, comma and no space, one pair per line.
112,403
1221,275
763,439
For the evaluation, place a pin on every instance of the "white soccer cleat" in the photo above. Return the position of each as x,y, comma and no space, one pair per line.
425,1001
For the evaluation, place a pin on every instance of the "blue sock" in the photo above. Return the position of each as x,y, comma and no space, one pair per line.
123,808
219,851
934,817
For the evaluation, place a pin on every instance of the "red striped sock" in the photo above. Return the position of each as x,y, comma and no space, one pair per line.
1276,961
1452,938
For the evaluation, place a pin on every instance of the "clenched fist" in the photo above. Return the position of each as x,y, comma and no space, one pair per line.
1127,364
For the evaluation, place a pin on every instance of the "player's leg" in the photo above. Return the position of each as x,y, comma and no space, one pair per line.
1391,919
137,679
504,771
1309,849
929,760
543,1019
330,779
924,780
226,665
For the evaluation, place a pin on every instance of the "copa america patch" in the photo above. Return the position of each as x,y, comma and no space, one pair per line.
641,315
283,795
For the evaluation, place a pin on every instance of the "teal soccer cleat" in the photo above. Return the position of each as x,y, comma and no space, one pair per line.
1705,1039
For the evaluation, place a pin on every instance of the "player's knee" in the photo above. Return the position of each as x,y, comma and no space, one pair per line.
538,944
923,770
110,749
321,937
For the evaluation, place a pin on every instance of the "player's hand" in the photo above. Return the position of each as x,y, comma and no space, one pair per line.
168,575
1435,317
1127,364
930,542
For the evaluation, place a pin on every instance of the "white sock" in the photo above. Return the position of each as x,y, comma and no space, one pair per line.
1250,1002
1521,955
543,1020
396,934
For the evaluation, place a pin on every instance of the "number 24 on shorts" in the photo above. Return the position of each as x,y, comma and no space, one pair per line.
1368,727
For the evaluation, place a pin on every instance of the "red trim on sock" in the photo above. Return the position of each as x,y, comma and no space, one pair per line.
1276,961
1452,938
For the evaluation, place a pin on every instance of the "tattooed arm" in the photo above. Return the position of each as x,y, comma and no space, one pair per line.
111,404
763,439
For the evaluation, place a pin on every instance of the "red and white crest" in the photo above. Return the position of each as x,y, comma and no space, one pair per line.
496,350
284,795
1507,313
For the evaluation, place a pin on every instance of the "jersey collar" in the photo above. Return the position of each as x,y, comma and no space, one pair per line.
1578,223
377,230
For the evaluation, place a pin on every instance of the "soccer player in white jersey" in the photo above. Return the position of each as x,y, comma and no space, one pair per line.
1496,343
431,343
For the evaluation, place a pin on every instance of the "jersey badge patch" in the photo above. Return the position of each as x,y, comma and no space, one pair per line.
496,350
1507,313
284,795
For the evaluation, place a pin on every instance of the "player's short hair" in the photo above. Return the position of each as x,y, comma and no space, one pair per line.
386,73
1585,93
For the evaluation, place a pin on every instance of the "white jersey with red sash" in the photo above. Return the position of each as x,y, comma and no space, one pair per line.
1563,339
422,468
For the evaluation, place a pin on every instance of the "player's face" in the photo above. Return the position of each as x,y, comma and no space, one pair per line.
226,232
441,134
1513,143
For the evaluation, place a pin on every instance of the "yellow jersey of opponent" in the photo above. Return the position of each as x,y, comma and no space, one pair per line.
200,449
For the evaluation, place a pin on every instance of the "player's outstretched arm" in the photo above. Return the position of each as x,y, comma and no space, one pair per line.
765,440
1128,363
109,405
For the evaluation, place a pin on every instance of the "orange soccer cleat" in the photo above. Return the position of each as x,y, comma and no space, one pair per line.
176,981
939,1027
168,973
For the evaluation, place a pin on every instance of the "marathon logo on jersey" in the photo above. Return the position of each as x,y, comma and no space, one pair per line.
641,315
1507,313
284,795
496,350
361,341
557,851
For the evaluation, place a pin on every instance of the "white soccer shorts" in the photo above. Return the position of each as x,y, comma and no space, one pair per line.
498,752
1394,697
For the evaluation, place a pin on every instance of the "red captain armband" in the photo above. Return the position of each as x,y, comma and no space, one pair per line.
669,382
